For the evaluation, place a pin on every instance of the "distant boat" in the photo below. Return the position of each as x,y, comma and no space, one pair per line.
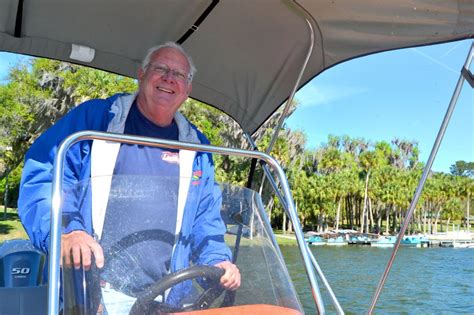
463,244
360,240
338,241
384,241
415,241
315,240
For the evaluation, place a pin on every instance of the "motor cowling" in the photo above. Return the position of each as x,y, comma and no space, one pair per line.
21,265
22,288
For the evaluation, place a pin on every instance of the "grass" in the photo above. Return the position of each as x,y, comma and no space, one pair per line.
284,239
10,227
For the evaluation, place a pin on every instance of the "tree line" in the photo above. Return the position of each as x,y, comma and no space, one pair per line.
345,183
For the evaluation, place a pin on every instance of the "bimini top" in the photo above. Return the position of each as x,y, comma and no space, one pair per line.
248,53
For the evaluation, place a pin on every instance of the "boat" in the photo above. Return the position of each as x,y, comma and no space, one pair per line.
315,240
384,241
359,240
463,244
253,56
415,241
336,241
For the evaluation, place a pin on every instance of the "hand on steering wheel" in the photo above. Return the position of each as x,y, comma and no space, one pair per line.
146,303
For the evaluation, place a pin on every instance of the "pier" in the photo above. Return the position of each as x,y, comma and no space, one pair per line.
457,239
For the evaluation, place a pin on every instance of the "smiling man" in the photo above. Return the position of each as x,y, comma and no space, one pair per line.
190,217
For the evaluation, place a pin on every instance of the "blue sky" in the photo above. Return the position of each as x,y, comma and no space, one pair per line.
7,61
403,93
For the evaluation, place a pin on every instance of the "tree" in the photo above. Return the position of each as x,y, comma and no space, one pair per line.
36,96
462,168
346,178
404,154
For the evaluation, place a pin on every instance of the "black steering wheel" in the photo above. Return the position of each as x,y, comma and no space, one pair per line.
146,304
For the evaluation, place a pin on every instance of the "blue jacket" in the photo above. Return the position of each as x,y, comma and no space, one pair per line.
201,229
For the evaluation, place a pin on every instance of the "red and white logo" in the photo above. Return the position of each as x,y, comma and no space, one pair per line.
170,157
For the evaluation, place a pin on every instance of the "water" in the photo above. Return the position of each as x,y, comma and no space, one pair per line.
421,281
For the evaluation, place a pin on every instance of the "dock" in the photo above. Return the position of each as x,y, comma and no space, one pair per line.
458,239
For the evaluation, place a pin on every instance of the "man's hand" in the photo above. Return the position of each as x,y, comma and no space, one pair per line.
77,245
231,278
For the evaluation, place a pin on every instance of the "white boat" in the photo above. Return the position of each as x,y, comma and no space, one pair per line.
463,244
384,241
315,240
337,241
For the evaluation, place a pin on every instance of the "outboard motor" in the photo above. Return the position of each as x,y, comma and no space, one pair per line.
22,289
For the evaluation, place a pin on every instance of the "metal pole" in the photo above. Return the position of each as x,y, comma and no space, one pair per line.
56,211
334,300
424,176
5,196
55,227
293,92
321,275
308,20
318,300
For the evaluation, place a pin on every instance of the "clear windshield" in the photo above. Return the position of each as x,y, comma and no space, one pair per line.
147,232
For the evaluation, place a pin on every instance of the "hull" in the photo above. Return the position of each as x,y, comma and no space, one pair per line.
261,309
384,245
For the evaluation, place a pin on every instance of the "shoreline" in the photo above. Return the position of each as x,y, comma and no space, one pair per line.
434,239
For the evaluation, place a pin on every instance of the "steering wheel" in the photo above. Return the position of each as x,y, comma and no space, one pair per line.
146,304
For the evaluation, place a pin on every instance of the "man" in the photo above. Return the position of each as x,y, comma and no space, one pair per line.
192,217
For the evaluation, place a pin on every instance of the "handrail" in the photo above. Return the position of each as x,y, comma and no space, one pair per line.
333,297
424,176
318,297
58,172
308,20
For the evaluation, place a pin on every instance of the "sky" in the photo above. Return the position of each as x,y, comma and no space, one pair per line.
7,61
403,94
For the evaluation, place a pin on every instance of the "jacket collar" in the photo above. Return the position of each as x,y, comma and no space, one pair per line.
121,107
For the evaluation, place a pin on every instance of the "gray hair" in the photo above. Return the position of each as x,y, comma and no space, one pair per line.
152,50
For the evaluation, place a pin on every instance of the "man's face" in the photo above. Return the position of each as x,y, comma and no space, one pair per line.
164,85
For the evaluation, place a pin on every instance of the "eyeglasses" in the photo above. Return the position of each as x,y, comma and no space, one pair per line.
163,69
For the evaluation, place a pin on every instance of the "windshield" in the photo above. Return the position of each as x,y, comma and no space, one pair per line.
145,241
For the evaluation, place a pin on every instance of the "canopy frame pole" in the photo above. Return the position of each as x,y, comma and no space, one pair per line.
293,215
286,109
284,114
426,171
57,187
333,297
308,18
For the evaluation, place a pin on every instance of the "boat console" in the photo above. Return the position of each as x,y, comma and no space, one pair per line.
266,286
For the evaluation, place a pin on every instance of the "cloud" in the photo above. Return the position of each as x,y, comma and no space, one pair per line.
312,95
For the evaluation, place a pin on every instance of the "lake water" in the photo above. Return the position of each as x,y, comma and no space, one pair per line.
421,281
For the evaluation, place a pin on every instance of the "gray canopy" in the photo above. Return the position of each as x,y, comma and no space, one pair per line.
248,53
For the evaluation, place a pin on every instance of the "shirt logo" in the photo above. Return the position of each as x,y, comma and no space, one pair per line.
170,157
196,178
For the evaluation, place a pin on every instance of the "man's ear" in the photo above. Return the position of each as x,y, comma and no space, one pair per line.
141,73
190,88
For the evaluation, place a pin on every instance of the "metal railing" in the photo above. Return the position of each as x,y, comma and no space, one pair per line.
424,176
56,211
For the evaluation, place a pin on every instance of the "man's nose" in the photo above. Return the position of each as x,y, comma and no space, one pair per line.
168,76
